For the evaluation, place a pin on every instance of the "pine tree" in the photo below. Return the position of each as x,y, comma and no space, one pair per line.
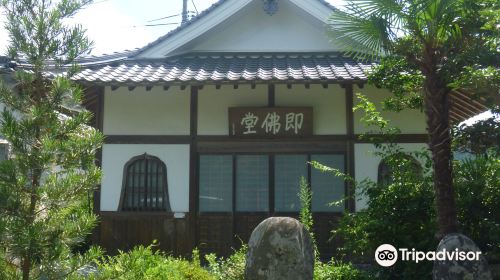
45,182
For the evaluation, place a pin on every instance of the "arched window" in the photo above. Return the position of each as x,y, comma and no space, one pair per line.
145,185
4,149
385,170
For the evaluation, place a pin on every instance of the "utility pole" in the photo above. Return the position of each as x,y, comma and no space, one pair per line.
184,11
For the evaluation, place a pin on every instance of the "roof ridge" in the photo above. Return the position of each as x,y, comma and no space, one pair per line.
195,19
180,27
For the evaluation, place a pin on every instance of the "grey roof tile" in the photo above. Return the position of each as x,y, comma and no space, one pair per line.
229,67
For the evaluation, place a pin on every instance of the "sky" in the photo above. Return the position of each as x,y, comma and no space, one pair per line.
117,25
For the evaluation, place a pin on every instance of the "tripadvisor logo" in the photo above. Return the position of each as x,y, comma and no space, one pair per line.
387,255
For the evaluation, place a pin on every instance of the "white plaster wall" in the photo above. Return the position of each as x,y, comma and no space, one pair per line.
141,112
329,115
366,164
175,157
409,121
213,105
253,30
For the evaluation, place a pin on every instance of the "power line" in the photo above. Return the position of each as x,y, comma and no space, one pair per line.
192,1
176,15
152,25
160,24
171,16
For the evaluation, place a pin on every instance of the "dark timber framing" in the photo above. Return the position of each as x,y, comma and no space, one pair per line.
94,102
350,164
193,168
98,93
271,95
186,139
221,229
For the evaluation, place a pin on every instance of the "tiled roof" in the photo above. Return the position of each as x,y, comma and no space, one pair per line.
229,67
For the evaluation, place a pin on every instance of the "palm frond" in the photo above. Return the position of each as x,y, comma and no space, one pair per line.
362,37
379,7
438,19
394,11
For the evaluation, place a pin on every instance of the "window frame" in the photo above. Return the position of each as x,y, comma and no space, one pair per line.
384,170
271,184
164,186
4,145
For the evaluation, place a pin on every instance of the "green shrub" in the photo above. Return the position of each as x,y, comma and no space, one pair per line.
338,271
232,268
402,213
305,214
144,263
8,269
477,185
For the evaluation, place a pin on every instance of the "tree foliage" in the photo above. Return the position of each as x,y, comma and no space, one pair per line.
479,137
46,181
399,210
427,49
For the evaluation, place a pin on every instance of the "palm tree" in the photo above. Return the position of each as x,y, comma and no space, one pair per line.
437,38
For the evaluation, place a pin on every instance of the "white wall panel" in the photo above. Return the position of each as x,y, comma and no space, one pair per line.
328,104
253,30
213,105
409,121
141,112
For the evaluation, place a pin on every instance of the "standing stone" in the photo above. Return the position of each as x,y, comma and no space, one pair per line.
460,270
280,248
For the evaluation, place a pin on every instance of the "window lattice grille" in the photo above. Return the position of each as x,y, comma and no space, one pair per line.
145,185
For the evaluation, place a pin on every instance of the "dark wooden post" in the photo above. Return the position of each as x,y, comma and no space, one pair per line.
94,102
193,170
349,103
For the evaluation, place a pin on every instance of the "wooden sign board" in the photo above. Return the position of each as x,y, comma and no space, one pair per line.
270,122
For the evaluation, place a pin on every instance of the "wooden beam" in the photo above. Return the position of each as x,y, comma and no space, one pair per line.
466,96
456,117
271,184
273,147
462,108
401,138
193,168
271,98
339,138
349,104
99,121
350,166
147,139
